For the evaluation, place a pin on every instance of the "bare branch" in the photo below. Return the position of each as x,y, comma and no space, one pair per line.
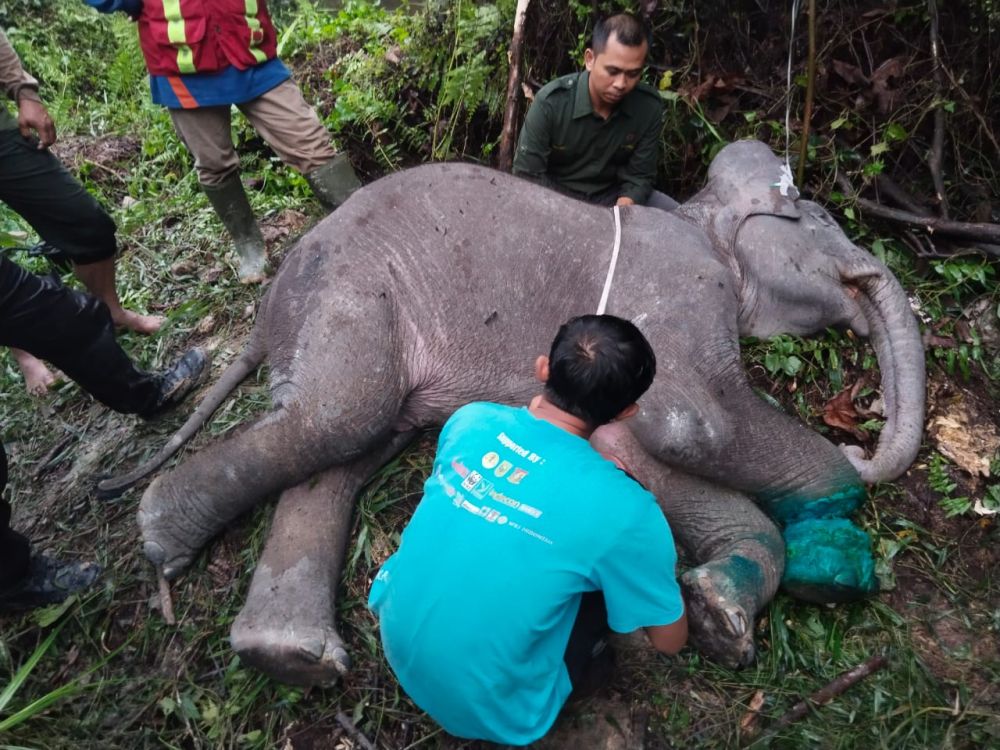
505,159
936,157
977,232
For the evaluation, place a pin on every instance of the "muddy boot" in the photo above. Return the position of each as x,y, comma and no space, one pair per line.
47,581
178,381
334,182
231,204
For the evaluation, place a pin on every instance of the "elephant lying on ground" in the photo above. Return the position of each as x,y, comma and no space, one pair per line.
439,285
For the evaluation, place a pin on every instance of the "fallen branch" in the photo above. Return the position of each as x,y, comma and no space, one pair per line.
825,695
345,721
966,230
834,688
505,158
887,186
166,601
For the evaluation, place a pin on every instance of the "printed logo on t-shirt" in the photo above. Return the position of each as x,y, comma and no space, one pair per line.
503,468
516,476
491,459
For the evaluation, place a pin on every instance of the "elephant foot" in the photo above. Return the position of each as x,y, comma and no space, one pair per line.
720,628
291,652
163,542
286,628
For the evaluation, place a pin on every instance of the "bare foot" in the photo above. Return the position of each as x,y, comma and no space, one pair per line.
133,321
37,377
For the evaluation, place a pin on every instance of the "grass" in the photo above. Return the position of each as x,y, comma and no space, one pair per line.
110,673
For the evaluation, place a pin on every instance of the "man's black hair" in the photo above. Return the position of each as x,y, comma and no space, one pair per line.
598,365
628,30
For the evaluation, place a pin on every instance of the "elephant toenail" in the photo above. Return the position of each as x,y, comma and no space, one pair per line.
312,648
154,553
737,622
341,660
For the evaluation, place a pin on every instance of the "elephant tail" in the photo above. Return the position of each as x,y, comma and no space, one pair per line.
249,359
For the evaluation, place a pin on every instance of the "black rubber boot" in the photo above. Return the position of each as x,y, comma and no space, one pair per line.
47,581
333,183
230,203
178,381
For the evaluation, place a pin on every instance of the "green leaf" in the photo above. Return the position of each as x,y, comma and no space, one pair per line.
838,123
896,132
167,705
880,148
22,674
47,616
849,213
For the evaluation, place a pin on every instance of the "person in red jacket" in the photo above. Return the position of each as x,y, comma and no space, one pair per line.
203,57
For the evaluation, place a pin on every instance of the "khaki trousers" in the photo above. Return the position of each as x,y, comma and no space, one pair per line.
281,117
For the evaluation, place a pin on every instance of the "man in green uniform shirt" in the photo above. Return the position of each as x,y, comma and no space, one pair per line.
595,135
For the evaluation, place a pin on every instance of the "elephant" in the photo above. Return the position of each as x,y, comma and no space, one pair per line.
437,286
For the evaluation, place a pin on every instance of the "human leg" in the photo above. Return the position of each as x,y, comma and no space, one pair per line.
589,659
206,134
37,377
29,581
14,550
74,332
36,185
291,127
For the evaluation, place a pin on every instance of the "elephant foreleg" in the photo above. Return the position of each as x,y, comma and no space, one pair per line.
286,629
737,551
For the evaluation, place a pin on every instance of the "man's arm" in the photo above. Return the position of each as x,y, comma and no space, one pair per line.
669,639
636,177
531,159
23,89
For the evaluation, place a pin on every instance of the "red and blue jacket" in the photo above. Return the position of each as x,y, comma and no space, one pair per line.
204,53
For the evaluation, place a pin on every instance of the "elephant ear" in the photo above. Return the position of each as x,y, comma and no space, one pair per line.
743,181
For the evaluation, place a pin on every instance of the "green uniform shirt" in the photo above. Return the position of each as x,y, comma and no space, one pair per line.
565,144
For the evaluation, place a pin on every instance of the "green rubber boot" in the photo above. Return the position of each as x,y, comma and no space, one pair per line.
231,204
333,183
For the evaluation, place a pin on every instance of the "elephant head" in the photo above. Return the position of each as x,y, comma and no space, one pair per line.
798,274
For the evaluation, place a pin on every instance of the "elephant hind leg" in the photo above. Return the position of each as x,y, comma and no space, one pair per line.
337,398
287,627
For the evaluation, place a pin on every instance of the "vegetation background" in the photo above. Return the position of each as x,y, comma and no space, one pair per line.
893,123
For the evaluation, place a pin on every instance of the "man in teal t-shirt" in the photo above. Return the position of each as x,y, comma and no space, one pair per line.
527,546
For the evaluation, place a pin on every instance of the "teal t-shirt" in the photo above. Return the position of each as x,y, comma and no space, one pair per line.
519,518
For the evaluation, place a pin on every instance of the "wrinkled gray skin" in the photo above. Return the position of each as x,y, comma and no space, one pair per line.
438,286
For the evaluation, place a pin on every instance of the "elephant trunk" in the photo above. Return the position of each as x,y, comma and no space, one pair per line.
895,336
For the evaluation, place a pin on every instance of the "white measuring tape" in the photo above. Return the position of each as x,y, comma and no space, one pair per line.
614,262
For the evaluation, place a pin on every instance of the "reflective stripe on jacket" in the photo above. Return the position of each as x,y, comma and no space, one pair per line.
203,36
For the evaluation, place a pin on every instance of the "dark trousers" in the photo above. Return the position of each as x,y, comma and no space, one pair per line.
13,546
73,331
586,640
37,186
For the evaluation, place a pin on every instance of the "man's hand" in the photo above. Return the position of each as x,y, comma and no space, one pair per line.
32,116
624,201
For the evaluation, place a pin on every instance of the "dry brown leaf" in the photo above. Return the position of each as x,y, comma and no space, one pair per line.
839,412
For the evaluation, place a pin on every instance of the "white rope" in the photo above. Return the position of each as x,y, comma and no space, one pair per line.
785,180
614,262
